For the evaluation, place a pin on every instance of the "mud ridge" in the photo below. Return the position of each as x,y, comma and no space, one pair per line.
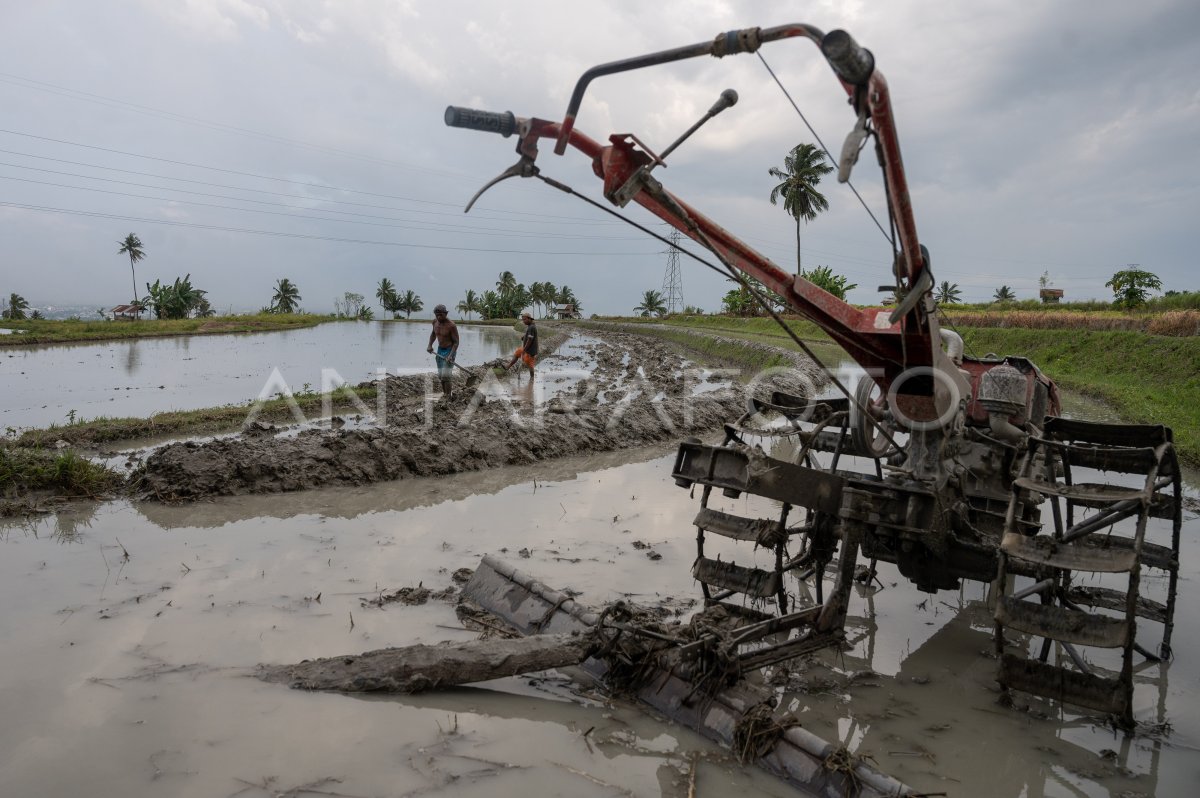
636,394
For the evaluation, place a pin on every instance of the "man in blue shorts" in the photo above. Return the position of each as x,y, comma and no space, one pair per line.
446,334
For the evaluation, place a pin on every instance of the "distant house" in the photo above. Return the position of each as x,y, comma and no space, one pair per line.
1051,296
566,312
125,312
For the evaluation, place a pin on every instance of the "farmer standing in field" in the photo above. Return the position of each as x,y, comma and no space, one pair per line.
527,351
446,334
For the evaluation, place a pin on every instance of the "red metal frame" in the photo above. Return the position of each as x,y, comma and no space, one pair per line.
884,349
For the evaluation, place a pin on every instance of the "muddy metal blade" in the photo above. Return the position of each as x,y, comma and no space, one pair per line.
798,757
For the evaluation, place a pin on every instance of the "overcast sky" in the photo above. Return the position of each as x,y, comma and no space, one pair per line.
248,140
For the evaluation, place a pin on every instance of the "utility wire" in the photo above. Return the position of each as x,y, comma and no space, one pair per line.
202,166
306,236
823,147
456,205
75,94
390,221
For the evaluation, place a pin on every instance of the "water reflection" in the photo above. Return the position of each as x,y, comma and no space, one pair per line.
132,358
941,720
386,332
405,494
152,375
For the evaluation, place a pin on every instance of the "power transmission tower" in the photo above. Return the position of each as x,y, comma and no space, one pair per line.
672,287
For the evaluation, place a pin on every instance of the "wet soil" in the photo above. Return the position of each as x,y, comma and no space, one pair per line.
636,392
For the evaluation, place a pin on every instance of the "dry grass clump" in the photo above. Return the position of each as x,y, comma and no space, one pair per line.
1175,322
1049,320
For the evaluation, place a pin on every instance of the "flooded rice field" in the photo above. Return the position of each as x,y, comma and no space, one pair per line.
131,632
133,629
48,383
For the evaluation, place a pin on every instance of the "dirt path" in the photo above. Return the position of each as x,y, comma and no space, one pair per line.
636,391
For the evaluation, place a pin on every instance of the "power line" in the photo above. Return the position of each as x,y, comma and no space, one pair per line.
202,166
458,206
415,225
306,236
75,94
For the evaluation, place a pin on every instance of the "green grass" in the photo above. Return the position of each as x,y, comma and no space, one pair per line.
66,474
43,331
1147,379
188,422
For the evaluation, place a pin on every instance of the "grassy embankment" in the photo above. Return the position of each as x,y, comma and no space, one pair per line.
1145,378
43,331
205,421
42,473
716,349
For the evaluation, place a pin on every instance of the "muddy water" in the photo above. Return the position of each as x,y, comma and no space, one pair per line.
127,675
43,384
133,669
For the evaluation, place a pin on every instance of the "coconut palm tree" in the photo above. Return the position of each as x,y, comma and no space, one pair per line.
652,304
948,293
409,303
802,170
1004,294
132,246
286,298
549,295
16,307
469,304
507,282
386,294
537,295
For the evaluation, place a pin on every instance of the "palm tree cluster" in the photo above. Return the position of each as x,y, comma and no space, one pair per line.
393,301
178,300
510,298
16,308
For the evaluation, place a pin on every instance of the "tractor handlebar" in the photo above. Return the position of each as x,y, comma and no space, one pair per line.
487,121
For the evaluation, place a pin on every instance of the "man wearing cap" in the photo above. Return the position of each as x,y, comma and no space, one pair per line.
527,351
446,334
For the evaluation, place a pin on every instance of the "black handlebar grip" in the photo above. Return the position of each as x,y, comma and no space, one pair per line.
852,63
488,121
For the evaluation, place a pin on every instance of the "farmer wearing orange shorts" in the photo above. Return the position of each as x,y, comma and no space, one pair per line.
527,351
